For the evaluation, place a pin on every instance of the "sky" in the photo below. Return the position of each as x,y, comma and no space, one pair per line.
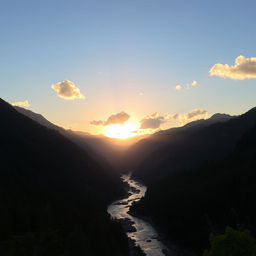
81,63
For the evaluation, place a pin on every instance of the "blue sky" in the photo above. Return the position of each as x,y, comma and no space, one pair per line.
125,56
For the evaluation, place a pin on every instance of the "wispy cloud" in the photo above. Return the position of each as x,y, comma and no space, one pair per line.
244,68
179,87
21,104
67,90
118,118
96,123
191,116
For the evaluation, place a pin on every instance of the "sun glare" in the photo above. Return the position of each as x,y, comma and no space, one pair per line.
121,131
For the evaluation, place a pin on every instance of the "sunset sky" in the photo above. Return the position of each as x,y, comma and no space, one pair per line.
84,64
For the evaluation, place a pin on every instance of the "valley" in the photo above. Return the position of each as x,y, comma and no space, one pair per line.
127,128
185,200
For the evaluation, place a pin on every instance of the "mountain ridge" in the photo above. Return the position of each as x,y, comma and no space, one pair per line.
165,152
188,205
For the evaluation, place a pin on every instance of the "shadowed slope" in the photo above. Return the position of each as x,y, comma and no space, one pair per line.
188,146
190,203
109,151
52,189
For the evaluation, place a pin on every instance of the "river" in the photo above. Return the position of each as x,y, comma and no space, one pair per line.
144,235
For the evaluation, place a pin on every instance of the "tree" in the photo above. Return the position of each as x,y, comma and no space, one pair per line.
232,243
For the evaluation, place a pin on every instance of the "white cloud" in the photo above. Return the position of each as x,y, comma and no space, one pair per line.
21,103
244,68
67,90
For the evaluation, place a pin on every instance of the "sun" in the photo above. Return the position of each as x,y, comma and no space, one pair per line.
121,131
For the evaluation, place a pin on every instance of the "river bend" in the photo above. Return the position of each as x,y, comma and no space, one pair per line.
137,229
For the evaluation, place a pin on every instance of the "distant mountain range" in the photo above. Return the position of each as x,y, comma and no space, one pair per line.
53,194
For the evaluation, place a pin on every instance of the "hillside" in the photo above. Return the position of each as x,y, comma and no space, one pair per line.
109,151
188,146
53,195
38,118
191,203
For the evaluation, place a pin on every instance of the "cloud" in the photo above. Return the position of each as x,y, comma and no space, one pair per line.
178,87
191,116
155,120
194,83
196,112
94,122
21,103
67,90
244,68
118,118
152,121
176,116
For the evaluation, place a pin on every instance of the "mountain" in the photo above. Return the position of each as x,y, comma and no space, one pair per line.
198,124
109,151
53,194
188,146
94,145
38,118
190,203
112,150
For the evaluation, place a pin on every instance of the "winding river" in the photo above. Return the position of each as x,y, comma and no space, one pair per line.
144,235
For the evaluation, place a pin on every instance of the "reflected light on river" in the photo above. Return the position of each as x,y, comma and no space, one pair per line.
142,233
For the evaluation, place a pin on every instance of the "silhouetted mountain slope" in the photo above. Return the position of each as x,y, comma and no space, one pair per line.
111,149
137,156
102,146
198,124
38,118
108,151
189,204
53,195
188,146
80,138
